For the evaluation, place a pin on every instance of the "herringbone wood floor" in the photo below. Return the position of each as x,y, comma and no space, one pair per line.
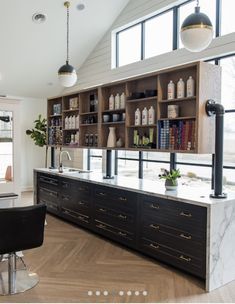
73,261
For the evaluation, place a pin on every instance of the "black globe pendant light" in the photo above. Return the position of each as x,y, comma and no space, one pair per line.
196,31
67,74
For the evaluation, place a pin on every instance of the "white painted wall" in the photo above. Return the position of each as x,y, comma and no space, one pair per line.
31,156
97,68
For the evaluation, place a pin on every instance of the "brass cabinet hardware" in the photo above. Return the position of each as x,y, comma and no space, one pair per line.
154,226
102,193
122,233
82,188
102,210
122,216
81,218
154,246
81,203
185,236
185,259
65,198
101,226
185,214
154,206
121,198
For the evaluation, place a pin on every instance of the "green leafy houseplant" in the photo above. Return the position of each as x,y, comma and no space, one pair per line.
39,134
171,175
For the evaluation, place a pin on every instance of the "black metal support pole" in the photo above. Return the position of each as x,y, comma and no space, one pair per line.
173,161
213,172
108,165
213,108
141,170
88,159
52,157
116,162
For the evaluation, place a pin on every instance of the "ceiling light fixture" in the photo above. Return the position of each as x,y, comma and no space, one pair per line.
39,17
80,6
67,73
196,31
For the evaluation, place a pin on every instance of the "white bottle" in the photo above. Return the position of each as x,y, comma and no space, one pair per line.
151,115
73,122
77,122
70,122
145,116
180,88
190,87
171,90
66,122
123,101
111,102
117,101
137,117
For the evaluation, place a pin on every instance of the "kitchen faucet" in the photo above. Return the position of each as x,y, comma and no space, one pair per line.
60,160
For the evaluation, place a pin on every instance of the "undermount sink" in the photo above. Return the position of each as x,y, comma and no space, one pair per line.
71,170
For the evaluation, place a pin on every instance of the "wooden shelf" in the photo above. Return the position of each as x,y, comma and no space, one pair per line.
71,110
177,99
88,113
142,99
57,115
114,111
142,126
113,123
87,125
178,118
176,151
76,129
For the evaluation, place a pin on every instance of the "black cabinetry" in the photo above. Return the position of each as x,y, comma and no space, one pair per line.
170,231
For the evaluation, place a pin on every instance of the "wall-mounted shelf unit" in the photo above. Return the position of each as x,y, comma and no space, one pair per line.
184,133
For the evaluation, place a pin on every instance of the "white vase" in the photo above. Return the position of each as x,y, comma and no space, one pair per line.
111,143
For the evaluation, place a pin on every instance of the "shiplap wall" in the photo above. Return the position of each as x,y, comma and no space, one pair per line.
97,69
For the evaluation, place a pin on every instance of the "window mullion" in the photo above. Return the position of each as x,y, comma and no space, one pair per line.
142,41
218,18
175,28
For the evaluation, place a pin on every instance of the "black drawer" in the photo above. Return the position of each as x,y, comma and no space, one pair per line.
51,206
82,205
76,217
123,200
49,195
81,189
174,257
66,186
175,238
47,181
175,214
115,233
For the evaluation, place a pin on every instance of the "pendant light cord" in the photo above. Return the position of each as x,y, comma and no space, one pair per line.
197,2
67,4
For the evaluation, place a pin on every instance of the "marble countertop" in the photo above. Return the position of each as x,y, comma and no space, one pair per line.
193,195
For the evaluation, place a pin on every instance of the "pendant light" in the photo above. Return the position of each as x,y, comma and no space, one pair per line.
67,73
196,31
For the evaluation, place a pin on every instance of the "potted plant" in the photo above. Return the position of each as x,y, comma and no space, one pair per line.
39,134
170,177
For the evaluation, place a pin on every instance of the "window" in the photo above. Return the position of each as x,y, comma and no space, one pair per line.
227,18
129,45
207,7
228,80
95,160
159,35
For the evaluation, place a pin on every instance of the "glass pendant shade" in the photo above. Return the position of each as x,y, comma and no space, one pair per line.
67,75
196,31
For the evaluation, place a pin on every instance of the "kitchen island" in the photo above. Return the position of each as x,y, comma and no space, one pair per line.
186,229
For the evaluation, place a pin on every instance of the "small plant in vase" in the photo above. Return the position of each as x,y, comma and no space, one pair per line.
171,182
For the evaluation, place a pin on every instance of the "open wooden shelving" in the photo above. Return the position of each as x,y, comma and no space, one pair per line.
183,134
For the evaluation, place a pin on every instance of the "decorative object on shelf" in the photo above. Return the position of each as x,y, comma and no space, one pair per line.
119,143
122,101
137,95
180,88
144,116
57,109
170,177
137,117
172,111
117,101
171,90
196,31
150,93
116,117
93,103
151,116
106,117
39,134
73,103
111,102
111,143
190,87
67,73
123,116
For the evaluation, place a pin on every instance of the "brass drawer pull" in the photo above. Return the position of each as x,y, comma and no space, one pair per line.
154,226
185,236
154,246
81,203
185,259
81,218
65,185
102,193
185,214
101,226
65,198
102,210
122,216
154,206
123,199
122,233
82,189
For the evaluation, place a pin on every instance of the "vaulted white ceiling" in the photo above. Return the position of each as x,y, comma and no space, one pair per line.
31,54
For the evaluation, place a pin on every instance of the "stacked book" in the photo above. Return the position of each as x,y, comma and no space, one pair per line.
176,135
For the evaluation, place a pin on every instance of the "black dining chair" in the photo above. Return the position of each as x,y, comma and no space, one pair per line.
21,228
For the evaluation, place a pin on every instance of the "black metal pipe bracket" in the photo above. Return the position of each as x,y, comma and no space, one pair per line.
213,108
108,165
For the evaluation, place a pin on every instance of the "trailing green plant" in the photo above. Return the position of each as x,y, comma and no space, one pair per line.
171,175
39,134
